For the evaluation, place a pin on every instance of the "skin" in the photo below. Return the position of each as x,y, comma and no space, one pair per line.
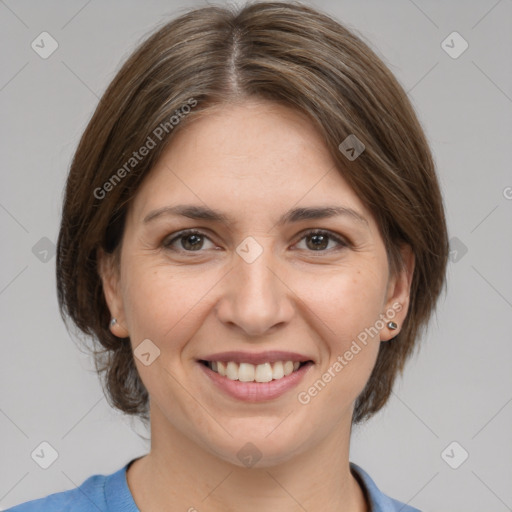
254,161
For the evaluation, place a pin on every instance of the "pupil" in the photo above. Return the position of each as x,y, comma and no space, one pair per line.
196,240
321,239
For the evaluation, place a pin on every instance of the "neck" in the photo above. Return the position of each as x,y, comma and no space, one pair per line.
179,474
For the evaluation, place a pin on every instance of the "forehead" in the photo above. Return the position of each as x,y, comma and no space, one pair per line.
253,156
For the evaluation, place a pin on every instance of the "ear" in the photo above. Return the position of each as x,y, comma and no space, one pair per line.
398,294
110,278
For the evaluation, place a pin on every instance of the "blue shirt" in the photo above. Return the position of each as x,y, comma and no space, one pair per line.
111,493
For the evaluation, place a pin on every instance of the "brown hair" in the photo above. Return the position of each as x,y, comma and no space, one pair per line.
283,52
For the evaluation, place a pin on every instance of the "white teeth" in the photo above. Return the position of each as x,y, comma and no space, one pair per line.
247,372
288,367
232,371
263,373
221,368
278,370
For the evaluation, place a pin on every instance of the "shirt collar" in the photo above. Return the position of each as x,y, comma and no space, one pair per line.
119,497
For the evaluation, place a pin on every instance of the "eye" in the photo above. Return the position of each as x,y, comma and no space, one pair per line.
193,240
319,240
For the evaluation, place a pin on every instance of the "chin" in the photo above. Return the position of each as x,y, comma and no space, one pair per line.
250,448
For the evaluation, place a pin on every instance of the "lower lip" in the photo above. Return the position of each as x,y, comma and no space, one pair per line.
256,391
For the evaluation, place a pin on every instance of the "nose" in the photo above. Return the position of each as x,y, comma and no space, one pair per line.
255,298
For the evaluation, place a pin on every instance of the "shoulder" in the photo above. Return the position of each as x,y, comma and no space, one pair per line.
379,502
81,498
92,494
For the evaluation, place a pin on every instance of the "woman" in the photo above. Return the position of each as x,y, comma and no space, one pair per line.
254,233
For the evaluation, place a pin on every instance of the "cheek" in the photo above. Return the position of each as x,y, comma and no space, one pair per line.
166,302
162,302
348,308
345,302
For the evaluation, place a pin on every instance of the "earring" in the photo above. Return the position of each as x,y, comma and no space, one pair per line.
113,322
392,325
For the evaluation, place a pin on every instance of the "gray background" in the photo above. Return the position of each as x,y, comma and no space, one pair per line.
458,388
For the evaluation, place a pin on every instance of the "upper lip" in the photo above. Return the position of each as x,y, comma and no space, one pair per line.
270,356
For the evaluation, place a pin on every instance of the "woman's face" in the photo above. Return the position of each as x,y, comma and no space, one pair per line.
257,289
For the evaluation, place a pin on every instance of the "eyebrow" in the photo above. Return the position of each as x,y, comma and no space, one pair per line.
294,215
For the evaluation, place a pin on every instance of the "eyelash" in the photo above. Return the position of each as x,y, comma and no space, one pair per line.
182,234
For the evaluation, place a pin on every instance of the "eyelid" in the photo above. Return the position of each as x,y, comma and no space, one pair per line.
339,239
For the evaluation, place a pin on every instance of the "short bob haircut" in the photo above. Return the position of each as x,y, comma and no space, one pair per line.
214,56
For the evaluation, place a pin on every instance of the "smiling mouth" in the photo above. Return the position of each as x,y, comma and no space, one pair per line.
247,372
